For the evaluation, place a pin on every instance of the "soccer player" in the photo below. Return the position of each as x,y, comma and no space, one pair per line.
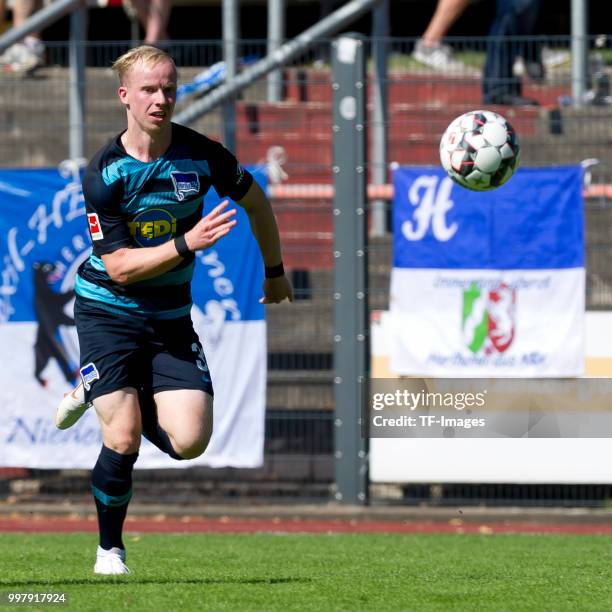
142,364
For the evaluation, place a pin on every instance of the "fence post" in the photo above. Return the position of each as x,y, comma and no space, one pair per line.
579,51
76,112
351,327
380,35
230,57
276,37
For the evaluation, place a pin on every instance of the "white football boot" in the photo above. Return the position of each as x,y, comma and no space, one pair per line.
439,57
71,408
110,562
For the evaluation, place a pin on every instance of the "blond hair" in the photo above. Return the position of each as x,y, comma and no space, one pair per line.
145,53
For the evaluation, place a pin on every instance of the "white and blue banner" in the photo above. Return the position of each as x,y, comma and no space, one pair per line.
43,240
488,283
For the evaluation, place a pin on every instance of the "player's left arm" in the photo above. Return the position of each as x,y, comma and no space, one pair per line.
264,227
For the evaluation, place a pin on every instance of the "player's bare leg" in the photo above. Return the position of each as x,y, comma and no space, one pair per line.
111,481
186,415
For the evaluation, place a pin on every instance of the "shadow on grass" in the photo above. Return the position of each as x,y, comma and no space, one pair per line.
131,579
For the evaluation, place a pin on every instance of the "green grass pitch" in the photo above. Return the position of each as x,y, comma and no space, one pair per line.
318,572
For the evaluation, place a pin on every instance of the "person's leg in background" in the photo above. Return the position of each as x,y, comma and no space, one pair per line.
154,16
29,54
445,15
4,25
430,49
512,18
531,50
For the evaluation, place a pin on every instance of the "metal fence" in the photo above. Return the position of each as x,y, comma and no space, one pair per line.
293,138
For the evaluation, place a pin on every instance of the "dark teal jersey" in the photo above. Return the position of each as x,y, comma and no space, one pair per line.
137,204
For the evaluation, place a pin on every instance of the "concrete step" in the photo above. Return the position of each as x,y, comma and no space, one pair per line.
415,136
423,87
314,153
300,390
285,117
286,471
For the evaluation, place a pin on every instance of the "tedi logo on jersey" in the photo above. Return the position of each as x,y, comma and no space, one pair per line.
489,318
152,227
185,183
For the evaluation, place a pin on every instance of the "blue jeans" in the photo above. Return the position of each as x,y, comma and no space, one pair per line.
513,18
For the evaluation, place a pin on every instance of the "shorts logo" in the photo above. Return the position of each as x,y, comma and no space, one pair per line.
185,183
89,374
152,227
94,226
201,361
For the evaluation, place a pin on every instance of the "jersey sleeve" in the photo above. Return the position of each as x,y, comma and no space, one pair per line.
108,227
228,177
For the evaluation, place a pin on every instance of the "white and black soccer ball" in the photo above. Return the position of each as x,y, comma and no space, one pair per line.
479,150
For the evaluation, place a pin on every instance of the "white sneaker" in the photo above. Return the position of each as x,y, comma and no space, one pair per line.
551,58
71,408
110,562
22,58
438,57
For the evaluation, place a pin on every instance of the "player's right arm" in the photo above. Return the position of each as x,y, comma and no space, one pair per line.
112,241
128,265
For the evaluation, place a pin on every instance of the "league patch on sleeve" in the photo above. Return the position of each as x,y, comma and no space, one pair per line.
89,374
95,229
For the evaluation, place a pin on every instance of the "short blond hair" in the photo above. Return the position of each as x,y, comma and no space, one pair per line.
146,53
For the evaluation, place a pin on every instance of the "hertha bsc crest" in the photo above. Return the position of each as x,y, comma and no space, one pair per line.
185,183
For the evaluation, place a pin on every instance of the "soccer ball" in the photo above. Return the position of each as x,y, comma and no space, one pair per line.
479,150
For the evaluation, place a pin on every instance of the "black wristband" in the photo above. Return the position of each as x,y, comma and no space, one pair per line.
275,271
181,246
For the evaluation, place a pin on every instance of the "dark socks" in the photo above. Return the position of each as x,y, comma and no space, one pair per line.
151,429
111,484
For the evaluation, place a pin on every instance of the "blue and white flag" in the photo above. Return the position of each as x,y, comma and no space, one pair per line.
488,284
43,240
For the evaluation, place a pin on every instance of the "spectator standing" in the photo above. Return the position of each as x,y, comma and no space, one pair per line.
27,55
513,18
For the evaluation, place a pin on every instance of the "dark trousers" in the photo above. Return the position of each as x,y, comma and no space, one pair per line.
513,18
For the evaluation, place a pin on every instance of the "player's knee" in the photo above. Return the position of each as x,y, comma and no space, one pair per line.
191,451
124,446
124,442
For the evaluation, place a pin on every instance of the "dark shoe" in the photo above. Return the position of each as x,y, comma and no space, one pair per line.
511,100
535,70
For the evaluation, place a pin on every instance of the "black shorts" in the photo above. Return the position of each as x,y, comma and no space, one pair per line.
151,355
